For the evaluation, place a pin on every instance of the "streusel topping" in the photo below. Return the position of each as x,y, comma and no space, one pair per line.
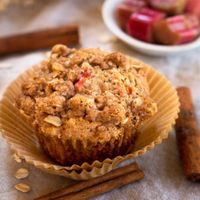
86,92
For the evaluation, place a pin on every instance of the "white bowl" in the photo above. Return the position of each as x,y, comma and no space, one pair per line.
108,12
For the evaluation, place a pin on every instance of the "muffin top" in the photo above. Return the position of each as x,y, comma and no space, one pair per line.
86,93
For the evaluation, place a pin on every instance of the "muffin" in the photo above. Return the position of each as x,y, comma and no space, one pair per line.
86,104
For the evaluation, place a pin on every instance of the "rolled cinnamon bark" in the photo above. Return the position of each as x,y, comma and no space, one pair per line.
93,187
30,41
188,137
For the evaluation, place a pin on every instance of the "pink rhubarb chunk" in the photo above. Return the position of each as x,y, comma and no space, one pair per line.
177,30
83,76
140,24
123,13
79,84
125,9
136,3
171,7
193,6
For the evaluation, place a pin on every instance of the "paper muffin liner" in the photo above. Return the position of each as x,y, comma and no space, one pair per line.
22,139
77,150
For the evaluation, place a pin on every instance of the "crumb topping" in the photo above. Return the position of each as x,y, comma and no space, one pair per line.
86,92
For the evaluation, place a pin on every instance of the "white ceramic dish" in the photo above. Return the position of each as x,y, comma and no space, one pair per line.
108,12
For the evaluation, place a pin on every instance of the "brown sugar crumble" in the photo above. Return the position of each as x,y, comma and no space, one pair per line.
86,96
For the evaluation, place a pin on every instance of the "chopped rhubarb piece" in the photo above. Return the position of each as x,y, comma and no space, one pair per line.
193,6
136,3
79,84
123,13
170,7
140,24
85,73
129,89
177,30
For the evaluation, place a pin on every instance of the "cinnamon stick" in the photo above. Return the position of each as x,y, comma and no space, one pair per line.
66,34
105,187
81,186
188,137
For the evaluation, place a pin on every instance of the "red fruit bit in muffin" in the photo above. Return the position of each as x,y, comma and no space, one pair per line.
129,89
79,84
140,24
84,75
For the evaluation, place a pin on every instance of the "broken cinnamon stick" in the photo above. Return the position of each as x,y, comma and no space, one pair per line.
67,34
188,137
111,180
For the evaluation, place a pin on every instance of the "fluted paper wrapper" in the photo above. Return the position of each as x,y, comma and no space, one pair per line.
22,139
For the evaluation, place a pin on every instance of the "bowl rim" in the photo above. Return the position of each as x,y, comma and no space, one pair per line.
108,14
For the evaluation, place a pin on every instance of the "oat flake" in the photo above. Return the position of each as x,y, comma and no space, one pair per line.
21,173
22,187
